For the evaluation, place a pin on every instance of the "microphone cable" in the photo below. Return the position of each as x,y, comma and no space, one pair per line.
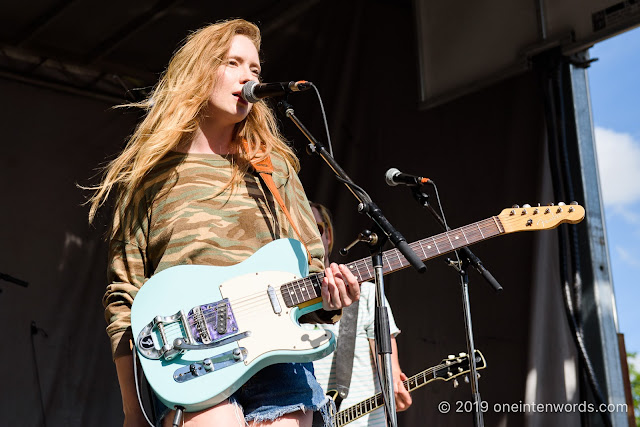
324,117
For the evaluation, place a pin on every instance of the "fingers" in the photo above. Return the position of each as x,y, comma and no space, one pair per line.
340,287
352,282
330,292
403,398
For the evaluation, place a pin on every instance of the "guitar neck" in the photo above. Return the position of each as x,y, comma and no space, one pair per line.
303,290
374,402
431,247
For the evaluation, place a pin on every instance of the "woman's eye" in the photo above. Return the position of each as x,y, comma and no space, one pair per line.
232,62
256,72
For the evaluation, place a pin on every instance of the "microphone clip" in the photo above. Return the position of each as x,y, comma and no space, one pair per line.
366,236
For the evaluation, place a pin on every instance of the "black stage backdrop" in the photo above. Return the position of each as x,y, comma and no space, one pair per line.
485,151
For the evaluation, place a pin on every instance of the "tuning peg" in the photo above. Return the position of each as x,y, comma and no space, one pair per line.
526,205
462,354
574,203
478,375
466,379
451,356
562,204
455,383
535,211
551,204
547,210
515,206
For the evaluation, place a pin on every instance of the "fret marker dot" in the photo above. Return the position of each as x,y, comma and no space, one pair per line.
429,247
457,237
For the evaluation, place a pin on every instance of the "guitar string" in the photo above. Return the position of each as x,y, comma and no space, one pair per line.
248,302
443,240
254,301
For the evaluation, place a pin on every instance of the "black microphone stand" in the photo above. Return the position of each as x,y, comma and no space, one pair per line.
461,266
382,330
369,208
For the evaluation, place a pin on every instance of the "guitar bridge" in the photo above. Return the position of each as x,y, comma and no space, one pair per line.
204,326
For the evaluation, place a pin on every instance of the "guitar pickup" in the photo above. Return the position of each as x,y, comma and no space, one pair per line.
204,325
210,322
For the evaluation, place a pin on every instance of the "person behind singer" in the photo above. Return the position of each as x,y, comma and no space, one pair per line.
364,381
187,194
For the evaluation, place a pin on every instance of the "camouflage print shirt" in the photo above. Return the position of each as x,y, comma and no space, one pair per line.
183,218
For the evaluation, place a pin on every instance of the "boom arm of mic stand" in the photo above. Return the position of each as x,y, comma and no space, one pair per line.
473,260
367,205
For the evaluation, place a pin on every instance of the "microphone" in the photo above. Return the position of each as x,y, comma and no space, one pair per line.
395,177
253,91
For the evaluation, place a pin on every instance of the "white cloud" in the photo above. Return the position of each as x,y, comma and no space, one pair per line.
627,257
619,167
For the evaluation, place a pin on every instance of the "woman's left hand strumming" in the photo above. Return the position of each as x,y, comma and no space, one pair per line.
340,288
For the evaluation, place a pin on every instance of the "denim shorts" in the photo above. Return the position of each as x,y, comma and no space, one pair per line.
274,391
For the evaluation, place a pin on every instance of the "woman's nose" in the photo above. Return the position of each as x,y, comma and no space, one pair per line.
247,75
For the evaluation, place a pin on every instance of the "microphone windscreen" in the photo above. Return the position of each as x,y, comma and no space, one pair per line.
247,92
388,177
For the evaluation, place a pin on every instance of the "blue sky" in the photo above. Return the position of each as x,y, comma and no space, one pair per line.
614,82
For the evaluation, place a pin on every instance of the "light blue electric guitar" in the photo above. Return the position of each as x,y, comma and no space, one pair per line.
203,331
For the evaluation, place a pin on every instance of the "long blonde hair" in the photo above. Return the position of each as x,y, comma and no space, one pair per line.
174,107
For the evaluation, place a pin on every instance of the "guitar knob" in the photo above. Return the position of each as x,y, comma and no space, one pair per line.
193,369
237,354
208,365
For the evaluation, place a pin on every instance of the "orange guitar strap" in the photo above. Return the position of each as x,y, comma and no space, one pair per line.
264,167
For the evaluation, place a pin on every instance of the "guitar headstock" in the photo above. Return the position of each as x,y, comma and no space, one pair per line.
454,366
540,217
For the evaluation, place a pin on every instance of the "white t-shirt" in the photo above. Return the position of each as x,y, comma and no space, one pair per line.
364,381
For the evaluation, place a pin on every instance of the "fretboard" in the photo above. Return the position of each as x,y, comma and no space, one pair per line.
308,288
